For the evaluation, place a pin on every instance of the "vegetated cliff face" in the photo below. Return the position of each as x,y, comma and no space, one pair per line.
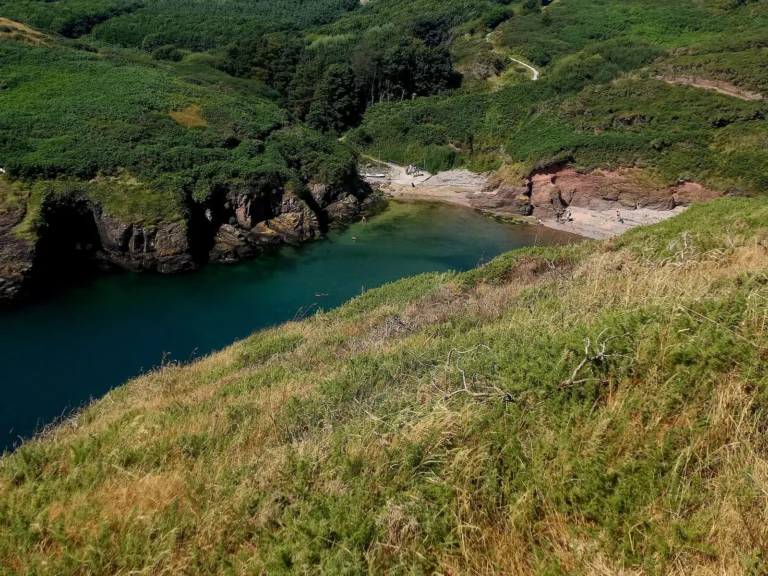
76,227
548,192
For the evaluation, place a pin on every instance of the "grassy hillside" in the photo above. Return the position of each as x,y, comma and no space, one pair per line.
594,409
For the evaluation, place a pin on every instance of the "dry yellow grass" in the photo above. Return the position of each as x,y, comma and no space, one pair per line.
190,117
17,31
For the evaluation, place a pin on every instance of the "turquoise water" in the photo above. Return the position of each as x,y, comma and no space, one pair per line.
57,354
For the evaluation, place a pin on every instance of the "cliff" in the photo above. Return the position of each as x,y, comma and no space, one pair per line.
55,225
595,409
16,252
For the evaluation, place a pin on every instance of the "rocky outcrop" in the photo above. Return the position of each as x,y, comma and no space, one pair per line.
504,198
76,231
548,193
281,217
134,246
292,228
16,257
545,198
232,244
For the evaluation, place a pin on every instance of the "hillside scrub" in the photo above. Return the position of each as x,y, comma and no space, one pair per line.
452,423
601,101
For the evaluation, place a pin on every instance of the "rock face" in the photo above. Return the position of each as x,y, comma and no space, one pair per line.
547,193
16,257
231,245
281,217
545,198
164,248
231,232
502,197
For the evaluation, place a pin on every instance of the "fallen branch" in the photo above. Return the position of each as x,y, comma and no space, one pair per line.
492,391
598,356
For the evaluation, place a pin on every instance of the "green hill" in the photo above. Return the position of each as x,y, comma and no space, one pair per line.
589,409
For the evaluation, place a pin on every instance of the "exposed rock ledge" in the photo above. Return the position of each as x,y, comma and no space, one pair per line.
247,223
601,203
164,248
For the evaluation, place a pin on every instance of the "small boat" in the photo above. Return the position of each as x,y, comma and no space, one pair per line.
320,294
354,238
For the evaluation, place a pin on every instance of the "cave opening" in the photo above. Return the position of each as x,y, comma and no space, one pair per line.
68,245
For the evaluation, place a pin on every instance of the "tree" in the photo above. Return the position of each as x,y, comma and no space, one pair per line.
531,6
336,104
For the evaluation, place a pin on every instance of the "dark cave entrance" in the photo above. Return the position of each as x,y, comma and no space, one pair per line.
67,248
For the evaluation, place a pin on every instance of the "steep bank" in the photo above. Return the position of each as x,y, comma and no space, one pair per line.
109,328
593,409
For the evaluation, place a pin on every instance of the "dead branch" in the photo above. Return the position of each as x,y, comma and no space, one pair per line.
596,355
491,391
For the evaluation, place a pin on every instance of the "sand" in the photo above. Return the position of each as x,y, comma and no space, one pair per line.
454,186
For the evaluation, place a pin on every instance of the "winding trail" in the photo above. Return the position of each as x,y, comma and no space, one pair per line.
716,85
531,68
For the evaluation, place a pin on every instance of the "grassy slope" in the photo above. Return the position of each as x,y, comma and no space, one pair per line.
328,446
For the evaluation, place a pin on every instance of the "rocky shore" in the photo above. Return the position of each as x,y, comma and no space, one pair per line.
226,230
601,203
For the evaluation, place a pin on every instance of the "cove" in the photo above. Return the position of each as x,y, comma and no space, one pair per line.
57,354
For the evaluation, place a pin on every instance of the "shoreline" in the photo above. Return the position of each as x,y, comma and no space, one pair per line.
456,186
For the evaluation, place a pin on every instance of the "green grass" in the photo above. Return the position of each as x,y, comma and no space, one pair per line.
328,445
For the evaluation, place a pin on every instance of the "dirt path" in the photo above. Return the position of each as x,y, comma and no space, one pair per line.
716,85
531,68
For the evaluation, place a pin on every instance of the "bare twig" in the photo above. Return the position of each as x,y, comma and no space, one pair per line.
596,355
492,391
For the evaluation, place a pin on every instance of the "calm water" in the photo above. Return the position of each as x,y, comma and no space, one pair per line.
57,354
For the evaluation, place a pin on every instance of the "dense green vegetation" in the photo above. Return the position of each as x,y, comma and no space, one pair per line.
77,115
134,98
333,63
456,423
344,444
599,102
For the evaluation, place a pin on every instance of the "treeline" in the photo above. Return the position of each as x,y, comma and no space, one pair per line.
201,26
331,83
